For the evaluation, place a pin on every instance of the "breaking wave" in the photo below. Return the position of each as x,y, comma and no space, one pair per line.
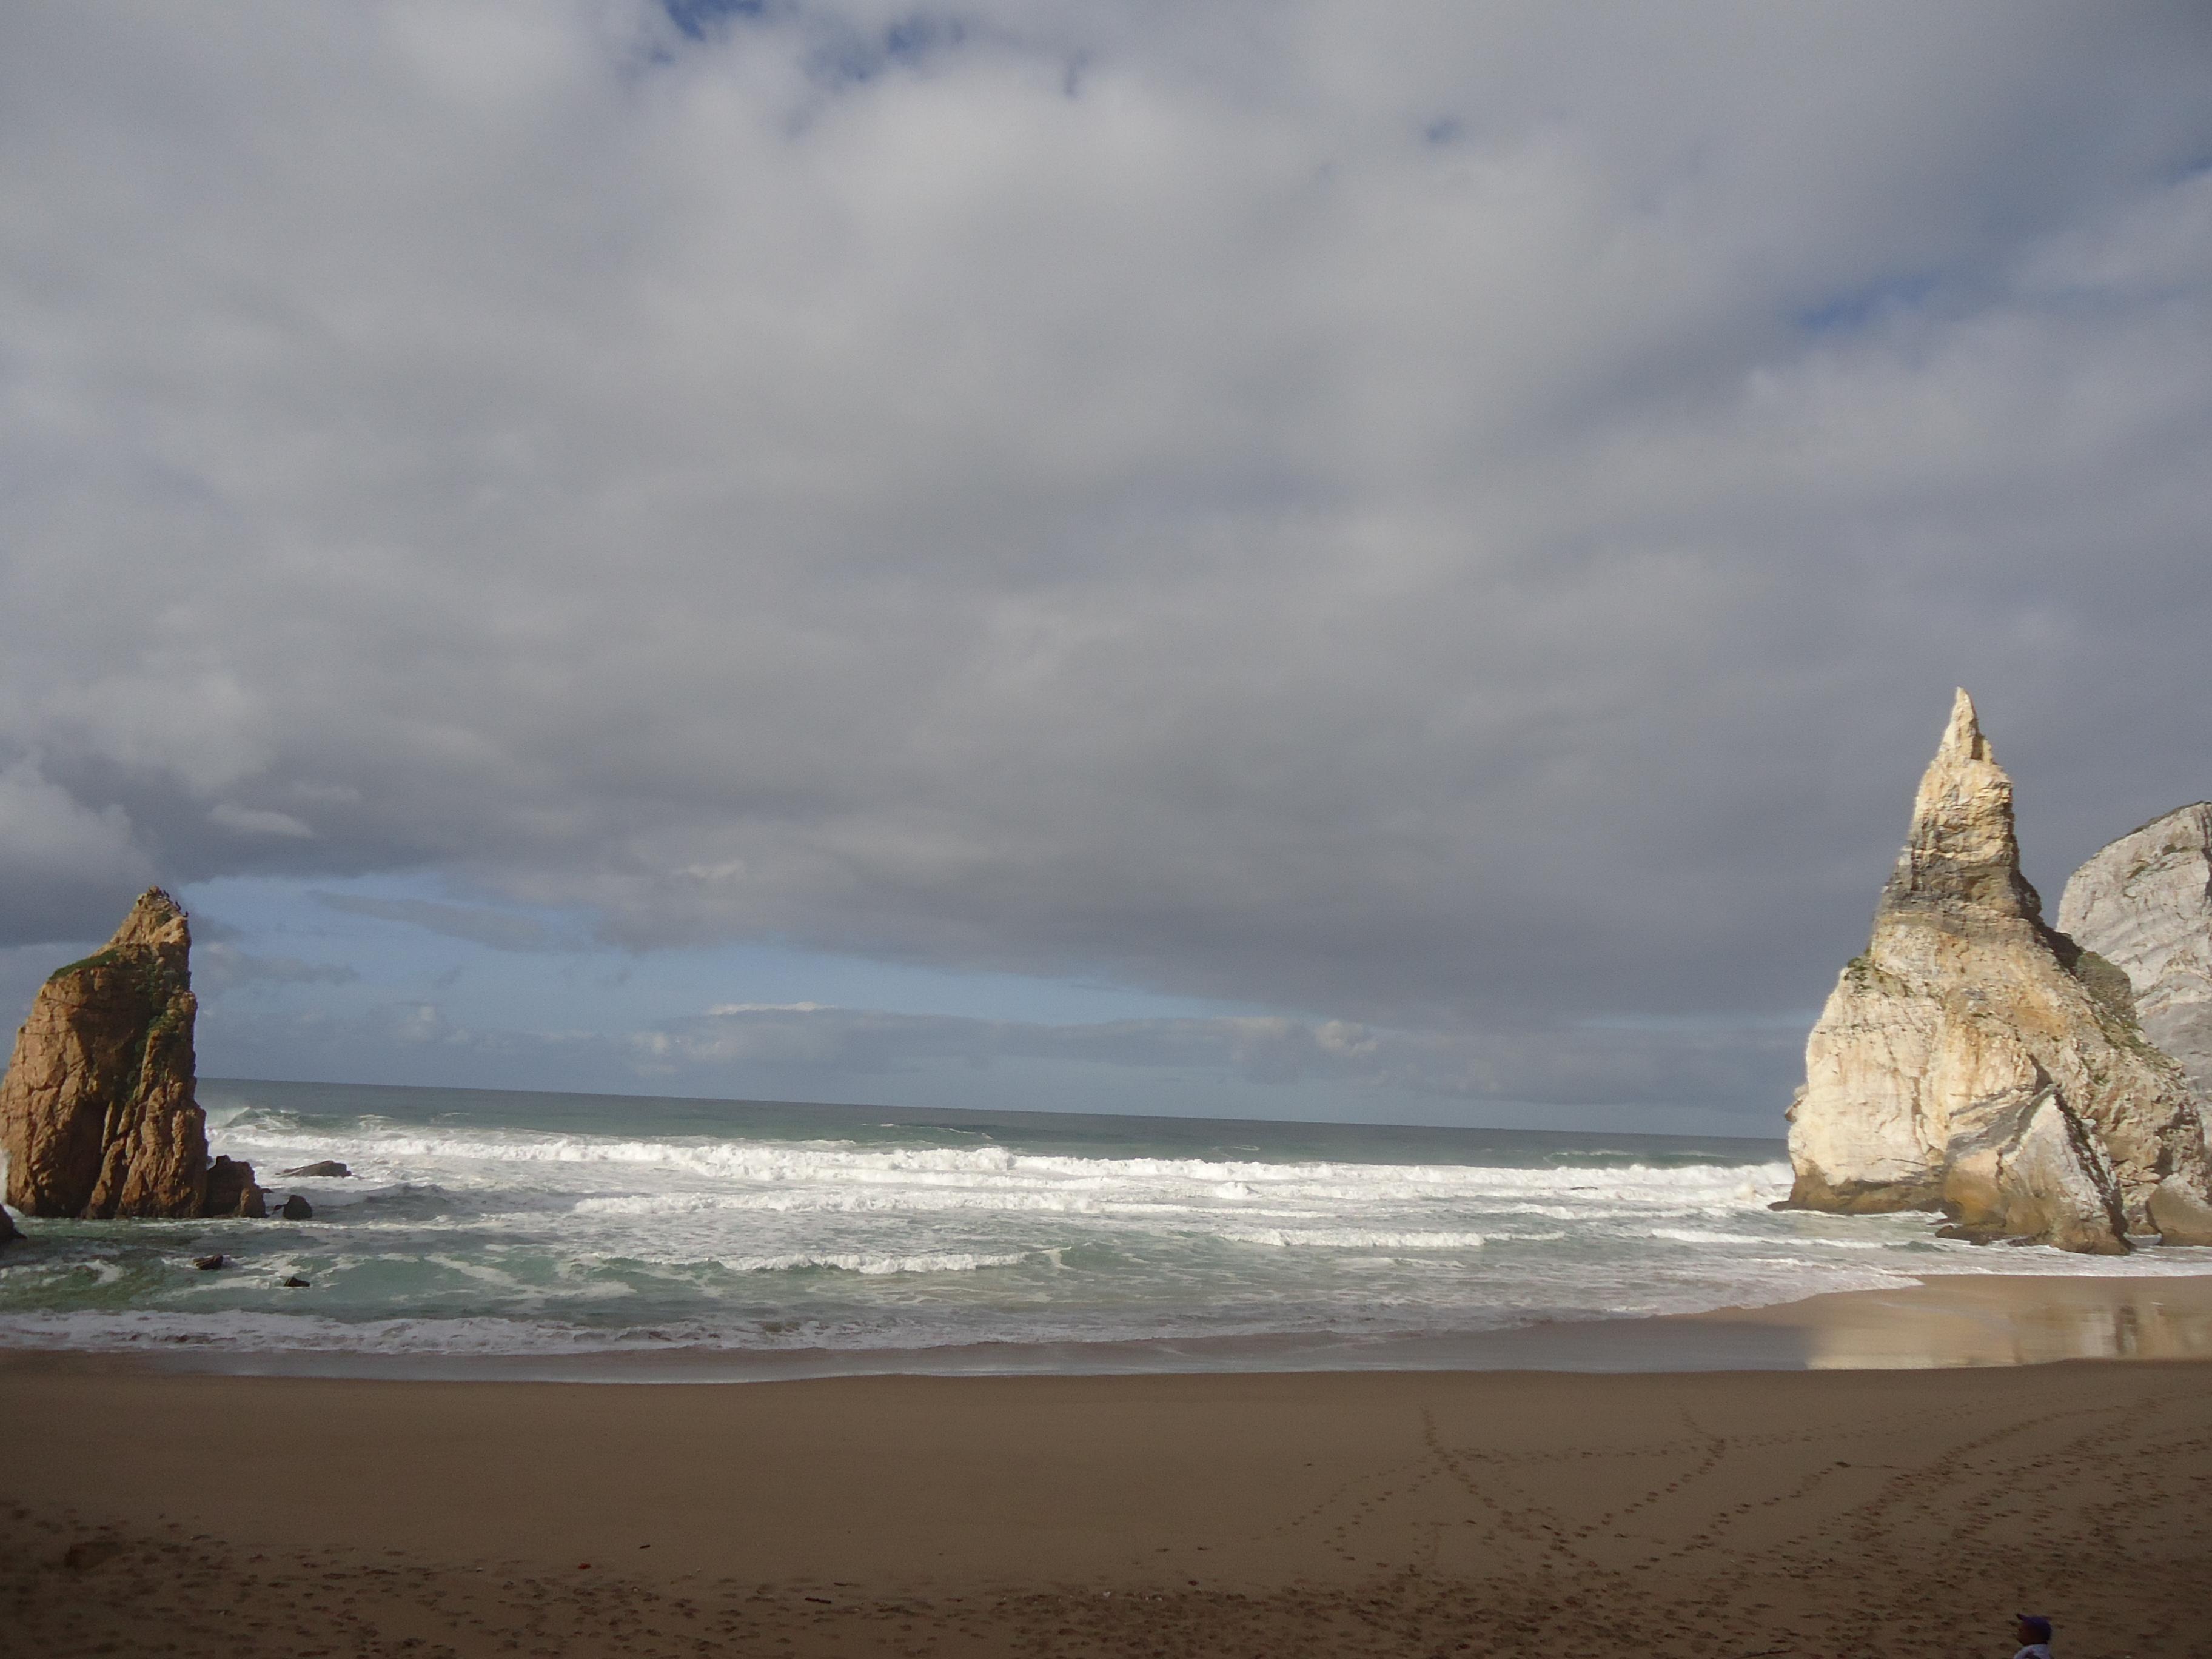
522,1224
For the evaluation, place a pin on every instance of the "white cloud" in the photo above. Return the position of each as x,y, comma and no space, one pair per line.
258,821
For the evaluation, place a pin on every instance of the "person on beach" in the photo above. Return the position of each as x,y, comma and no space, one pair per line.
2034,1637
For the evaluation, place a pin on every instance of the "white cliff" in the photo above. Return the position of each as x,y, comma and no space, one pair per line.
2144,903
1976,1061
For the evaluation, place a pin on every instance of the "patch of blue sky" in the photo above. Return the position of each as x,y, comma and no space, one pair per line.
697,18
2194,166
1862,307
851,57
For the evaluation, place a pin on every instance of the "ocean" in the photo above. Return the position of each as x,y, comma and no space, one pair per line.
560,1230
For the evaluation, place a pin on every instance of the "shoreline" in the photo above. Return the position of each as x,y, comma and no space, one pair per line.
1940,1321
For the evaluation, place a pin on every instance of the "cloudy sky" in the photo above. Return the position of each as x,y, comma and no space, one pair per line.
1294,559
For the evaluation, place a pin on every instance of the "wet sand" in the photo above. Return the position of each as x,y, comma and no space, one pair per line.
1731,1513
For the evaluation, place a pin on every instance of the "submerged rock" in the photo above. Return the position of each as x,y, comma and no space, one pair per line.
96,1112
297,1208
329,1166
8,1233
2144,903
1976,1061
208,1264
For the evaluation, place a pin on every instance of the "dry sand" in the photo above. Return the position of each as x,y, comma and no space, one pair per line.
1729,1513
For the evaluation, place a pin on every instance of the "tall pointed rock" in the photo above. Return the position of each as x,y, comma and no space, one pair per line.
1962,855
96,1112
1976,1061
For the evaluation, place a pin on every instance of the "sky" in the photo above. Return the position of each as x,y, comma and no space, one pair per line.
1303,559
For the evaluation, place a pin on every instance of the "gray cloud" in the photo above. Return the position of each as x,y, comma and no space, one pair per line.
1543,1065
804,1051
62,860
219,966
500,929
1462,521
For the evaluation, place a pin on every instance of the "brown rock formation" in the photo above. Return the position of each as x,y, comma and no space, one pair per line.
1973,1061
231,1191
96,1112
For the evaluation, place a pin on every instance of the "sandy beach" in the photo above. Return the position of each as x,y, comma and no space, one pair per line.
1735,1513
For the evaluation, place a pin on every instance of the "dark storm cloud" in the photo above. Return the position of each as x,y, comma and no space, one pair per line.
1464,520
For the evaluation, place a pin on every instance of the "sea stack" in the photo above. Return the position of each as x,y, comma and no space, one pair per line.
1977,1062
2144,903
96,1112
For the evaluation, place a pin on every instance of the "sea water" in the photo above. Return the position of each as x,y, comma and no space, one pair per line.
503,1224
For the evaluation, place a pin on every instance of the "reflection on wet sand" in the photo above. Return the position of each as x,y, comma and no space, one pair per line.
1946,1320
2004,1321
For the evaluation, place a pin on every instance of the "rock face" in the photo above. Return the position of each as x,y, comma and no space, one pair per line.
8,1233
1976,1061
231,1191
96,1112
2144,905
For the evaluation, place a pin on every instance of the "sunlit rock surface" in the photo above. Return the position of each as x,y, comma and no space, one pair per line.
97,1114
2144,903
1976,1061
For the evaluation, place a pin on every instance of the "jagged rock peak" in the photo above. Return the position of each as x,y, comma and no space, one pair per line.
96,1111
157,923
1962,847
1973,1061
2144,903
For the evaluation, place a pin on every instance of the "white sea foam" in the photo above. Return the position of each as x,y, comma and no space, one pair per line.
937,1261
825,1162
1350,1238
615,1233
310,1332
